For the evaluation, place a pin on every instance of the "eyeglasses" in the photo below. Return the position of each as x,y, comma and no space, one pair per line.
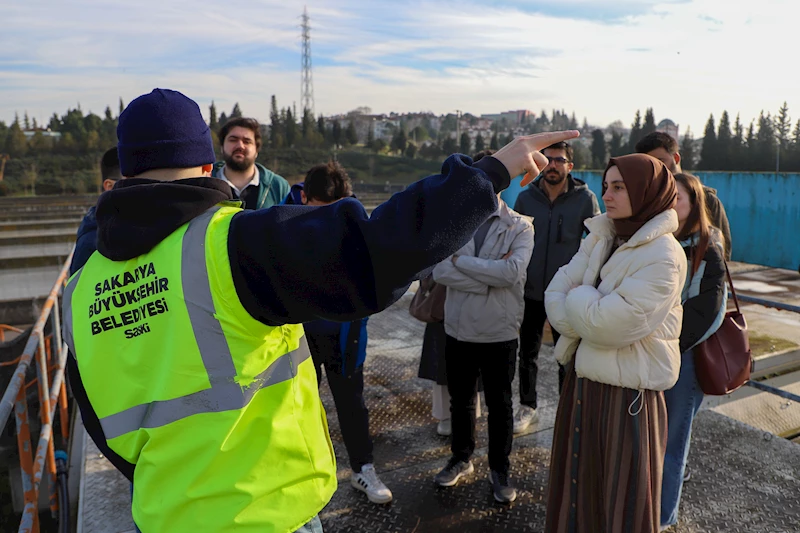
557,160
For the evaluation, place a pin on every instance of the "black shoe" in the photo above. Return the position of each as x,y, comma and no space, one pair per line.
451,473
503,493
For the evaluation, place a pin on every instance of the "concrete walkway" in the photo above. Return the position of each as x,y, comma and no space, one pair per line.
743,479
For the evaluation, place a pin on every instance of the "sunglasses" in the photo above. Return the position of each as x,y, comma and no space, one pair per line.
557,160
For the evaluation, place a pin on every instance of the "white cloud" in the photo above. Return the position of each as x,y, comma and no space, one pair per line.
684,59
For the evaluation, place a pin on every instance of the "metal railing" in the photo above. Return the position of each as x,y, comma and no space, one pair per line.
51,355
781,306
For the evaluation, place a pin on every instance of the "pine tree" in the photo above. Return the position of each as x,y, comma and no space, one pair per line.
290,129
213,123
350,135
337,133
649,122
370,137
465,143
16,143
615,147
237,111
636,132
276,136
598,149
121,106
765,142
750,153
480,144
737,145
783,126
724,143
708,154
494,142
687,151
27,121
36,125
399,141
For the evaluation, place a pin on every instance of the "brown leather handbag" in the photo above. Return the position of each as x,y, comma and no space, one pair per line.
427,304
723,362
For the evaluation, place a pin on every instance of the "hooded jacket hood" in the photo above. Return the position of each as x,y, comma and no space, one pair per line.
138,213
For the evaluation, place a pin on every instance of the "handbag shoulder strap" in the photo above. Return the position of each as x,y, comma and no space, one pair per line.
733,290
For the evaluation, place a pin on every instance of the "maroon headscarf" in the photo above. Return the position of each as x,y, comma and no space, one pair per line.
651,188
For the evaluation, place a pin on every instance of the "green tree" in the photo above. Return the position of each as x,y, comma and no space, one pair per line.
598,149
411,151
213,122
794,150
121,106
636,132
494,142
737,145
751,148
370,137
783,125
236,112
290,128
55,123
708,154
449,146
276,137
399,141
724,143
687,151
27,121
16,143
465,143
615,146
420,134
765,142
480,144
649,122
350,134
338,138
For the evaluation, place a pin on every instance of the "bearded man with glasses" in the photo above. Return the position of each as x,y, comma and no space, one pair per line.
559,204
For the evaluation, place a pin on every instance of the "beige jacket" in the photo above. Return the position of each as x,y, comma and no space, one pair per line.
484,291
626,330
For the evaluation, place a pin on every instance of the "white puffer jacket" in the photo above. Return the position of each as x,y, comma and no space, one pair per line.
626,330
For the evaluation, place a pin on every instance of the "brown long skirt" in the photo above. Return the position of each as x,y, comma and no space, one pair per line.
607,459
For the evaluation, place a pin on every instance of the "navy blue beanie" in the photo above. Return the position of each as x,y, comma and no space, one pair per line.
163,129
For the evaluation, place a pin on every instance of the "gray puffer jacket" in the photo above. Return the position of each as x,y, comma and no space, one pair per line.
485,291
559,229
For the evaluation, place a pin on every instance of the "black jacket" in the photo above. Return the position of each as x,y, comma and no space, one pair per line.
704,294
293,264
558,229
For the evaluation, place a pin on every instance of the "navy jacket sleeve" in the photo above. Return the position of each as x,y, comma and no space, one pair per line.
292,264
85,243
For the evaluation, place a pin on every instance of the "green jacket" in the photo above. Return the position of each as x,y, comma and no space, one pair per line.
272,188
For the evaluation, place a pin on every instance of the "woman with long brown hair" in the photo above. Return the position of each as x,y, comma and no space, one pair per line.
704,298
617,305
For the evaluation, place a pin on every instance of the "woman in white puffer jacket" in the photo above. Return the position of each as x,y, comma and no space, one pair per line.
617,305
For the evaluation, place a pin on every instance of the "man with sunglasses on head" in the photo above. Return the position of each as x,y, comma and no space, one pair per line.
559,204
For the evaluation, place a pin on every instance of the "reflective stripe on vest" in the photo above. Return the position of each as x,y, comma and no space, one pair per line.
225,394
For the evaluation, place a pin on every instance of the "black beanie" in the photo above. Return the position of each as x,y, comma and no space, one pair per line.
163,129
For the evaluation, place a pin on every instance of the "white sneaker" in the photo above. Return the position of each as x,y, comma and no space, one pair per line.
524,417
367,481
444,427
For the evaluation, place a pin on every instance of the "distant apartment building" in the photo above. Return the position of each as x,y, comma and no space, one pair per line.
512,118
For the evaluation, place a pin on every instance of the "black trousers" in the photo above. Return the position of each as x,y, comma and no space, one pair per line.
348,395
530,340
495,362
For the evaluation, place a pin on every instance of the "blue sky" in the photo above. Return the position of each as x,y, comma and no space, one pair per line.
602,59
